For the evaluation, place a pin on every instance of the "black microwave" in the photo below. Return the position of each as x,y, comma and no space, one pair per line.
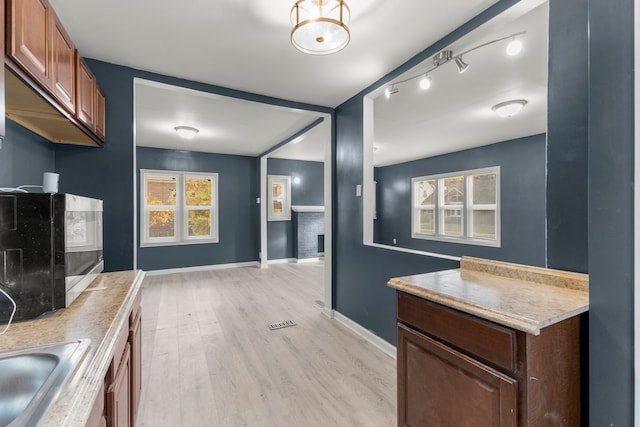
50,250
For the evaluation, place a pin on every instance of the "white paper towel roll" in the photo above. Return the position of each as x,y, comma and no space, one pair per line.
50,182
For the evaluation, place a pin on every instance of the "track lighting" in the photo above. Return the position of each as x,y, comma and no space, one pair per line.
439,59
425,82
462,66
514,47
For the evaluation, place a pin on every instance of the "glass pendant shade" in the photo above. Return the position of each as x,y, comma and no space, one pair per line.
320,26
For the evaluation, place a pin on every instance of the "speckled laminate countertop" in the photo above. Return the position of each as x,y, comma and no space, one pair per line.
521,297
99,314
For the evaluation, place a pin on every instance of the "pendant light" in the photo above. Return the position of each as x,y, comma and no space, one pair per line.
320,26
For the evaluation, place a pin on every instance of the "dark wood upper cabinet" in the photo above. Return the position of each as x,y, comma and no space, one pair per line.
51,91
86,87
29,38
101,113
2,82
63,55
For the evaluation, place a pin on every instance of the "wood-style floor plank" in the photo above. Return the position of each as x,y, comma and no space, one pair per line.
209,358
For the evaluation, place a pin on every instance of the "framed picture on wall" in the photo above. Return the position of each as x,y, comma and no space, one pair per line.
279,189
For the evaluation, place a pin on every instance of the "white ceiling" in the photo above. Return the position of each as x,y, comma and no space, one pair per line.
455,113
244,45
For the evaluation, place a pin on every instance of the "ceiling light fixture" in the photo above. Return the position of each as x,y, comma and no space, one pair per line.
320,26
186,132
509,108
514,47
462,66
389,91
425,82
446,56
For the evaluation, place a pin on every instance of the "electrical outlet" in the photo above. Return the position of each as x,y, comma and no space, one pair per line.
358,190
257,200
394,241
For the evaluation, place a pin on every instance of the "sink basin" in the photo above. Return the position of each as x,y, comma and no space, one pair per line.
31,379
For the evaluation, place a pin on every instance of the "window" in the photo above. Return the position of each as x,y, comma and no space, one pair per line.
279,198
178,208
459,207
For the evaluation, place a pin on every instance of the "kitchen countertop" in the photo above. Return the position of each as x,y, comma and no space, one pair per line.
99,314
522,297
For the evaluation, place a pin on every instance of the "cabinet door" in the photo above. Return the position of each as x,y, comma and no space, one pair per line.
101,113
96,418
135,340
439,386
29,34
118,395
85,108
63,66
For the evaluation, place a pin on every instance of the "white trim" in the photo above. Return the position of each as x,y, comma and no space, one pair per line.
300,208
307,260
413,251
282,261
368,187
328,236
376,341
135,182
202,268
636,218
263,255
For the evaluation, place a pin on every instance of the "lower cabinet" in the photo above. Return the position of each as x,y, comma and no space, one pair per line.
456,369
118,401
444,387
119,393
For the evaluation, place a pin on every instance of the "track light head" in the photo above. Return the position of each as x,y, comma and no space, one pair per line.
425,82
462,66
390,90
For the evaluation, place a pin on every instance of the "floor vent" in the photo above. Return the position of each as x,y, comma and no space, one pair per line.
280,325
319,303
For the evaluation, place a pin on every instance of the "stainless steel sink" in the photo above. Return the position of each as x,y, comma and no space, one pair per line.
31,379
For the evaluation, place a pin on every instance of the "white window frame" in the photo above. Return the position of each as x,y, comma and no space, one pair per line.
466,210
286,198
181,223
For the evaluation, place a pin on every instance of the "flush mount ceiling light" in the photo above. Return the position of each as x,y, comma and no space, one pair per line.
445,56
320,26
186,132
509,108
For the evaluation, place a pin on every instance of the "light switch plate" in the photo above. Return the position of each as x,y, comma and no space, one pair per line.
358,190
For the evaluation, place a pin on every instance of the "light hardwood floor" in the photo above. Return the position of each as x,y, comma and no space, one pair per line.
209,358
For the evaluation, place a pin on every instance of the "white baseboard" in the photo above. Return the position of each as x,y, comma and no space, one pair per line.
281,261
202,268
303,260
372,338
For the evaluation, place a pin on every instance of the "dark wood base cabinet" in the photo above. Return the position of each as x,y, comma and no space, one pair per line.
457,370
118,401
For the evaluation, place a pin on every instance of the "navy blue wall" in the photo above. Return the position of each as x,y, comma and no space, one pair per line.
360,273
24,157
239,215
308,192
567,148
611,212
522,200
107,173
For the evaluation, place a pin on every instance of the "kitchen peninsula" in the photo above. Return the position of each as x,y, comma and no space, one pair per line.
492,343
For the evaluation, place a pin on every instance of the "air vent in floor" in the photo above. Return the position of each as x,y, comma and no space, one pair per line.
283,324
